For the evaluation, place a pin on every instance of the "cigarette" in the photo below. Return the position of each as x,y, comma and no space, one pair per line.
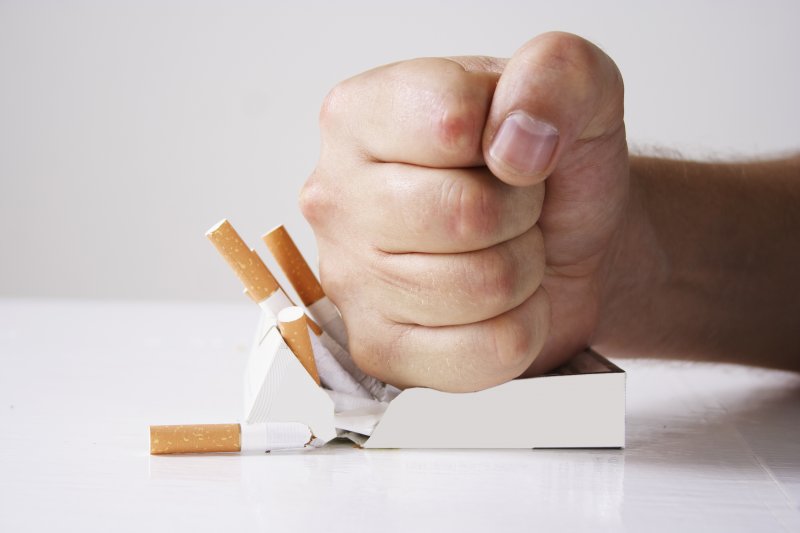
308,288
278,301
294,329
248,266
330,371
216,438
291,261
305,283
201,438
262,287
328,354
314,356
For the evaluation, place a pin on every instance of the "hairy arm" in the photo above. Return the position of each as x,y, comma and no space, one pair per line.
706,265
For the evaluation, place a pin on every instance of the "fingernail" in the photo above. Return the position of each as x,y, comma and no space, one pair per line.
524,143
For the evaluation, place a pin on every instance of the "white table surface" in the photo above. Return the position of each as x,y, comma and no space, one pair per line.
709,448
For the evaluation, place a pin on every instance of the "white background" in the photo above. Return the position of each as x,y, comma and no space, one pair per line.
129,128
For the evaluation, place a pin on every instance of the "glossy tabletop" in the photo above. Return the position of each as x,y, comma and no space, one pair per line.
709,447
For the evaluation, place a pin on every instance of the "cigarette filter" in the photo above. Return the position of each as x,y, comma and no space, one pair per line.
249,268
296,268
294,329
201,438
305,283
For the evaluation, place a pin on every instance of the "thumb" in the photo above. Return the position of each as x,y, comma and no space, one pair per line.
557,89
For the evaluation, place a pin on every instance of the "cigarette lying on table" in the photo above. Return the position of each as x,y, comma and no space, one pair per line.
309,289
200,438
263,288
224,438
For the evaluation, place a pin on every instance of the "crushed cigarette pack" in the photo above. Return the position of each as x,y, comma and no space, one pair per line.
580,405
300,373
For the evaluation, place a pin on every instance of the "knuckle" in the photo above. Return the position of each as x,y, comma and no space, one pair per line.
457,107
314,201
513,341
334,104
457,124
496,277
472,211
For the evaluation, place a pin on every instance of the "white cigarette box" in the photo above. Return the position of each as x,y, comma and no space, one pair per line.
580,405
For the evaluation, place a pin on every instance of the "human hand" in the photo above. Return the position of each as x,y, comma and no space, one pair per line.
451,265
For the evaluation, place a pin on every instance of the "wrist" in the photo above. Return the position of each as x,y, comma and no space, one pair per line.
633,265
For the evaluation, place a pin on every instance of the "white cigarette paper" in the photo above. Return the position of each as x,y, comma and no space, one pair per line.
217,438
286,436
327,316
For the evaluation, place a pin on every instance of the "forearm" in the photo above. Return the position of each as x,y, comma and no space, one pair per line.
707,265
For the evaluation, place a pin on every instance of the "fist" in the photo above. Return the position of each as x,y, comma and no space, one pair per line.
465,209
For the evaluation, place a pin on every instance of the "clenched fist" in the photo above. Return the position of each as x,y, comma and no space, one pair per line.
465,210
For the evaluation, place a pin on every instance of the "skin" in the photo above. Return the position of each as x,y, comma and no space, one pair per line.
458,266
708,265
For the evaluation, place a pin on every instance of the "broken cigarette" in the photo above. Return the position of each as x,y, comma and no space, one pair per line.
291,261
294,330
262,288
305,283
216,438
260,285
201,438
309,289
249,268
320,362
